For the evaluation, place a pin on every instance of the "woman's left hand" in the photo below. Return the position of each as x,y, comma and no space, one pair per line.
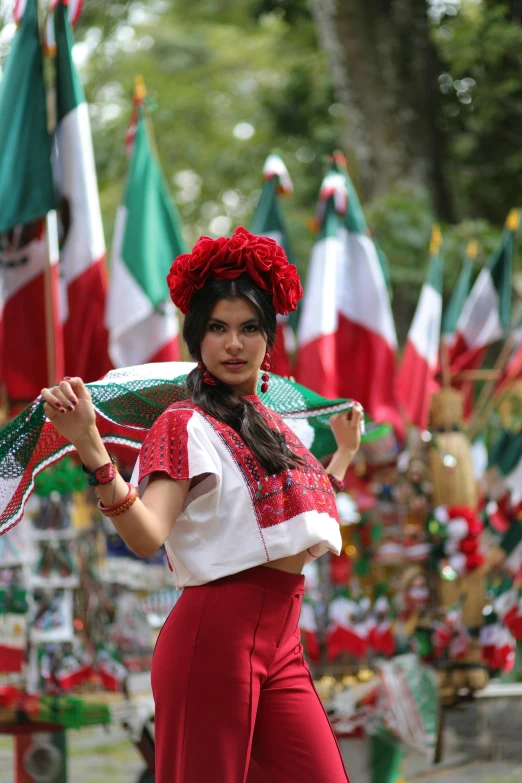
346,428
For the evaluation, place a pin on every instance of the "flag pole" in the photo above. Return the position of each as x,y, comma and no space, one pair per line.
486,398
445,363
485,395
140,93
53,333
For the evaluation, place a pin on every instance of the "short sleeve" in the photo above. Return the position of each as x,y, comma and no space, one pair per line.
177,445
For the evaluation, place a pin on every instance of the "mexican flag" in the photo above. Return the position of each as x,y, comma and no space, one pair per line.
485,317
268,221
513,371
511,545
13,628
141,318
82,252
346,336
459,296
30,323
416,378
506,456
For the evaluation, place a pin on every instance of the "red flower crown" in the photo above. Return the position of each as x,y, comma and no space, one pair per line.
225,259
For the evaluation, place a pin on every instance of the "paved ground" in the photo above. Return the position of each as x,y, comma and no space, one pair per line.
481,772
100,756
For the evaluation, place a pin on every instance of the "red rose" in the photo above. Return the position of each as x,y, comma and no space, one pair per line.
226,259
181,291
259,260
240,239
205,255
229,267
287,290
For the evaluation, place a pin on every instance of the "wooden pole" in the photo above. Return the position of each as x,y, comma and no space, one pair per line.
445,364
53,325
486,395
495,401
477,375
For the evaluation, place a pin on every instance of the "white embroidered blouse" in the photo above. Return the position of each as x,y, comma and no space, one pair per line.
238,517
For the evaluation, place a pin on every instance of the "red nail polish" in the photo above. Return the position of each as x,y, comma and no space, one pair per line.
70,408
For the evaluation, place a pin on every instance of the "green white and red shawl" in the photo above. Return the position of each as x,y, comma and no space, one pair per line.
127,402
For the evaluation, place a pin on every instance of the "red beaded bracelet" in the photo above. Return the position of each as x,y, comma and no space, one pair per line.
123,505
336,483
102,475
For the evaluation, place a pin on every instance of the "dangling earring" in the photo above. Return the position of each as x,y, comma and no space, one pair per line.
265,377
208,378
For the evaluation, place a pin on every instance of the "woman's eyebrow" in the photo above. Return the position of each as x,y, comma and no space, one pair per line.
224,323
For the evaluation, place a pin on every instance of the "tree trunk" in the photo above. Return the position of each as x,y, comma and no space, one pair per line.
385,69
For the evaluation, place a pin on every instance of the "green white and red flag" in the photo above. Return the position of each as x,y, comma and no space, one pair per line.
416,378
268,221
486,315
82,250
346,337
513,369
459,296
142,321
31,324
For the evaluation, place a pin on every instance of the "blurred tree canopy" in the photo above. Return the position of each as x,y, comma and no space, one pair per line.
424,97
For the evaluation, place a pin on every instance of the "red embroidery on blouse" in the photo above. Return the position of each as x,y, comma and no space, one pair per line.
286,494
276,498
165,447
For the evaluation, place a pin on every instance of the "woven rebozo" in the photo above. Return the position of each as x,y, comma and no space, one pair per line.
127,402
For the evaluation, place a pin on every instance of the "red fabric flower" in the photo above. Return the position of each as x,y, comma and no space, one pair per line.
475,527
469,545
474,561
225,259
287,291
465,512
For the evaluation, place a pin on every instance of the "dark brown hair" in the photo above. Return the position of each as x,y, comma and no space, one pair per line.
221,401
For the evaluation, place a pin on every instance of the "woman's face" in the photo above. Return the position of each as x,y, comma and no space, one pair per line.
233,346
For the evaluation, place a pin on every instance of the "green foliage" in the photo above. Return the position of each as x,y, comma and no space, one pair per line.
482,49
213,74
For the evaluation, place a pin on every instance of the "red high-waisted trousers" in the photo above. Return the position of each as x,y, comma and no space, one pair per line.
235,701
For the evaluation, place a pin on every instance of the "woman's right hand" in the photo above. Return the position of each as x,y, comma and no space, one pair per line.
69,406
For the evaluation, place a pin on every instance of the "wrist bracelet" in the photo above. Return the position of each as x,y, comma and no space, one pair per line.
336,483
103,475
122,505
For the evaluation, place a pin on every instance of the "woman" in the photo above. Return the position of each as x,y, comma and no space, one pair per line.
241,506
